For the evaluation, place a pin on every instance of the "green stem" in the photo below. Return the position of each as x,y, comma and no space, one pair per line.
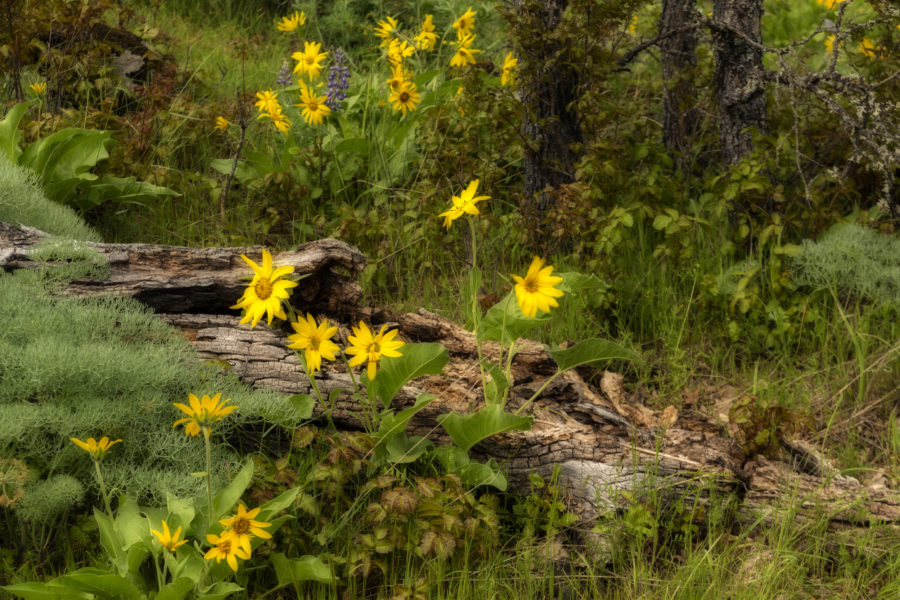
538,392
209,502
357,391
103,488
473,300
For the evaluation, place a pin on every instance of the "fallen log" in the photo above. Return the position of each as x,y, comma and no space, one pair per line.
601,441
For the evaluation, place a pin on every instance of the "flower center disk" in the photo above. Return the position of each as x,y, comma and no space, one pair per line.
263,289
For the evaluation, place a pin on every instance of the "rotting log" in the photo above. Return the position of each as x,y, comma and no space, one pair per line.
601,440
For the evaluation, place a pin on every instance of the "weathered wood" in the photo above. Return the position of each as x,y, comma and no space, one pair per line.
602,441
200,280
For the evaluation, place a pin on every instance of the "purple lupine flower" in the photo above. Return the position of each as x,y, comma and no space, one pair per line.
338,80
284,75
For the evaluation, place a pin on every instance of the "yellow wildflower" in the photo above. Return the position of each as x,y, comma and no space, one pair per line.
96,449
463,204
366,347
225,546
829,4
427,38
464,24
202,413
314,107
242,527
314,340
537,291
266,291
405,97
867,47
510,64
221,123
169,542
291,23
465,54
386,30
399,76
632,27
398,50
280,120
309,62
267,103
39,88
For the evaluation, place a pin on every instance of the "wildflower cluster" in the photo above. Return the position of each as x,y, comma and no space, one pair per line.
268,293
270,108
403,94
338,81
465,37
234,542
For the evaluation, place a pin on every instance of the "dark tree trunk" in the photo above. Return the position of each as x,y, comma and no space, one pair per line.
679,61
549,83
739,85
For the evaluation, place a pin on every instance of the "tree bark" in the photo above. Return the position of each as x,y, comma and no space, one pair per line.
601,440
679,61
549,84
740,89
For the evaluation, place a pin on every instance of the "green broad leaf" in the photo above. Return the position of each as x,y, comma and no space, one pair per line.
416,360
244,172
176,590
453,458
303,405
276,505
66,154
191,565
9,131
224,501
45,591
136,556
578,282
595,352
120,189
182,510
357,145
475,474
306,568
219,591
505,323
495,387
661,222
101,584
468,430
402,449
393,425
133,527
111,541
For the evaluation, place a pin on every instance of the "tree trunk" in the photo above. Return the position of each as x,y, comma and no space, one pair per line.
549,84
740,88
601,440
679,61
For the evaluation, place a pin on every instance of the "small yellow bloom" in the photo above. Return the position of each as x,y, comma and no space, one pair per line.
314,107
266,290
242,527
405,97
829,4
267,103
314,340
222,123
427,38
366,347
386,30
280,120
291,23
225,546
399,76
309,62
537,291
169,542
398,50
38,88
202,413
632,28
867,47
464,24
96,449
829,43
510,64
465,54
463,204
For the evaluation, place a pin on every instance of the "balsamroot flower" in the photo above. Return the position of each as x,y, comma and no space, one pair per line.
405,97
309,62
398,50
464,24
427,38
266,290
221,123
386,30
242,527
202,413
366,347
291,23
510,64
314,340
399,77
38,88
465,54
169,542
314,107
537,291
225,546
463,204
96,449
267,103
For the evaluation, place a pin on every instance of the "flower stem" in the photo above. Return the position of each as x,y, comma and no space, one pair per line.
209,502
102,488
